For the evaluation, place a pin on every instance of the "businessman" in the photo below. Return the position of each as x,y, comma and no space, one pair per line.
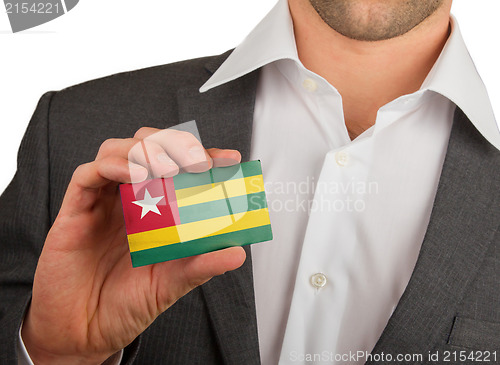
376,100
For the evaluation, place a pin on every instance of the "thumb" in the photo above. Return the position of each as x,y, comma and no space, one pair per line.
194,271
203,267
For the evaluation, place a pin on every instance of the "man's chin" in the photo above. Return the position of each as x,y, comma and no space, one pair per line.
371,21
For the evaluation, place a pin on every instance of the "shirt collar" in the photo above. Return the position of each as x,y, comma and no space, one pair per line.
453,75
271,40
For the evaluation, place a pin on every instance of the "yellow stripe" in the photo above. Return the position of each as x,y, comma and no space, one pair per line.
210,192
190,231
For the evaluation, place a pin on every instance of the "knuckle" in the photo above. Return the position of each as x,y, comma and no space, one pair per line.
149,146
143,132
186,138
135,146
106,146
139,132
80,171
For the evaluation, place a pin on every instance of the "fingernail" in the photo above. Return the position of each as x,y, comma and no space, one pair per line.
224,162
137,173
197,154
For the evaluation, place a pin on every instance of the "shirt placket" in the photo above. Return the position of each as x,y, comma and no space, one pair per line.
330,240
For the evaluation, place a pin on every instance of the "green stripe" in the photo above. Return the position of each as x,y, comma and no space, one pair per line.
202,245
222,207
218,174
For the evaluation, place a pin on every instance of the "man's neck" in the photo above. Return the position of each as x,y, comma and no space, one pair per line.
368,75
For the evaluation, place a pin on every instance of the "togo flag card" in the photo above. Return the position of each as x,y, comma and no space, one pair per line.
190,214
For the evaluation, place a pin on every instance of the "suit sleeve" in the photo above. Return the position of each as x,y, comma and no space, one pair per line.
24,223
25,220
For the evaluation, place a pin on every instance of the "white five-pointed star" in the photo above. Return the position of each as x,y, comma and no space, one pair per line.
148,204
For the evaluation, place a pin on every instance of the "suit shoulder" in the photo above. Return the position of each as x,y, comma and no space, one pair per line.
143,83
118,105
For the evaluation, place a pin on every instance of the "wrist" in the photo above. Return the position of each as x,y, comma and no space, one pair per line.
39,355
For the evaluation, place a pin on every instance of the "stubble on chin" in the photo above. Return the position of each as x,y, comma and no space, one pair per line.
368,20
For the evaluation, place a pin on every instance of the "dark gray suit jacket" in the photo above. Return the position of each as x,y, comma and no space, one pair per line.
451,303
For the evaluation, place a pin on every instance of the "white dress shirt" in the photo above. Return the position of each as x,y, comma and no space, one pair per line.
348,217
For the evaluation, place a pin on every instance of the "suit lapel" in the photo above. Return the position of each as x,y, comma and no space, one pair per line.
464,219
224,117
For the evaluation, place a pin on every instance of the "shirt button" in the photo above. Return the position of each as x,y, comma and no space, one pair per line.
318,280
310,85
342,158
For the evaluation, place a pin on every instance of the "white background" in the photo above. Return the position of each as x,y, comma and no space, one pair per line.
98,38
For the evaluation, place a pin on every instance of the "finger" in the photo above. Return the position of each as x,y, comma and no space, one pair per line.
145,132
84,186
154,157
116,147
182,147
203,267
96,174
145,153
222,158
191,272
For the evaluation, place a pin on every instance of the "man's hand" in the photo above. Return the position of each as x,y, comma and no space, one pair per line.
88,302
